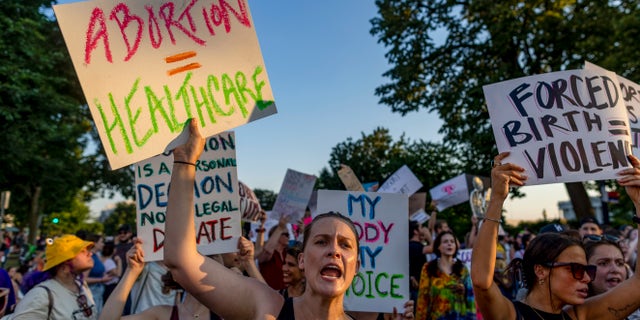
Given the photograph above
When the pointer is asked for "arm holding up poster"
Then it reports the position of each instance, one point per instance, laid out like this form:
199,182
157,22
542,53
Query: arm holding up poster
548,253
210,282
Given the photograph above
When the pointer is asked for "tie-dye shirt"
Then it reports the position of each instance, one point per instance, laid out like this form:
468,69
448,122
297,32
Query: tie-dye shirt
445,297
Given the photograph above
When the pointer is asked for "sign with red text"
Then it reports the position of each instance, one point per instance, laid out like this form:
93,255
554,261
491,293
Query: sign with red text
147,66
630,92
402,181
216,199
450,193
564,126
382,282
294,196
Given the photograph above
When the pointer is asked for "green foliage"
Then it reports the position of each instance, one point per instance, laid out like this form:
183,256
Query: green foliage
124,213
70,221
267,198
376,156
443,52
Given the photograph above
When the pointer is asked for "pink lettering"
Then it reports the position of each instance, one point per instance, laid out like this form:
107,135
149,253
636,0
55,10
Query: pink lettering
124,24
97,17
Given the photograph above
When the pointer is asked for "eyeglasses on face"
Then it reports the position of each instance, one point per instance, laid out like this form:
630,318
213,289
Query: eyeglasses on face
577,269
596,238
82,303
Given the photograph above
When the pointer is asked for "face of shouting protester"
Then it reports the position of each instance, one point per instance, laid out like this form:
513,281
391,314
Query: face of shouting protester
611,269
447,247
330,257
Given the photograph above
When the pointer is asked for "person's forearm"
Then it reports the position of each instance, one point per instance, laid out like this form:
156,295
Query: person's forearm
114,306
483,263
180,238
252,270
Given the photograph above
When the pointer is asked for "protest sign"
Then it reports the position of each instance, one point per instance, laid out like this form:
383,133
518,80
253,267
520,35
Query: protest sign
250,208
349,179
294,195
417,202
564,126
146,67
371,186
451,192
402,181
630,92
458,190
216,199
382,282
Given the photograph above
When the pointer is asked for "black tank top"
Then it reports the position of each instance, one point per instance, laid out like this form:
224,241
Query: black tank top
526,312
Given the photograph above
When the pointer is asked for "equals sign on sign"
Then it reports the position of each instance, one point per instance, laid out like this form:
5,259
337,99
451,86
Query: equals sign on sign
618,128
180,57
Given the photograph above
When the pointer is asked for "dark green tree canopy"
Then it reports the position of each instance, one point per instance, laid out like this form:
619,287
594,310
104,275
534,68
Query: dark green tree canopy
443,52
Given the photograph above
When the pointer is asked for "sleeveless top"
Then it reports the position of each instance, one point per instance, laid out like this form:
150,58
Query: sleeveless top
286,313
526,312
175,316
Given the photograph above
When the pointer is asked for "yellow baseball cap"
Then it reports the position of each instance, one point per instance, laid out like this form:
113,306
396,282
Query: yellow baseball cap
62,249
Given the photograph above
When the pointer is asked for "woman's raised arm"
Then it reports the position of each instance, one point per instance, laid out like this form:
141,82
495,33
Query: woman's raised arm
228,294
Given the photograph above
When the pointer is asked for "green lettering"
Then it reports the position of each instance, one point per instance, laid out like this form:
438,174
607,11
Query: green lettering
164,169
394,286
378,277
117,122
228,89
199,104
261,104
134,118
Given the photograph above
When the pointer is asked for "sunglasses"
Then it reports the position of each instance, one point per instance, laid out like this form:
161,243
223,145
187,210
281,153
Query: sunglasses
82,303
596,238
577,269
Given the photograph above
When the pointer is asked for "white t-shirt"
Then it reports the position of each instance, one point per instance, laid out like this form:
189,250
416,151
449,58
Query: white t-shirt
109,265
35,304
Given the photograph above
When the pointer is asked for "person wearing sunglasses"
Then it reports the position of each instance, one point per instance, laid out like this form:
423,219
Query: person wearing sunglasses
554,266
64,294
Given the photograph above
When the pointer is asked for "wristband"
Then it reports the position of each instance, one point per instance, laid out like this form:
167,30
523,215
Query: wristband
261,230
184,162
495,220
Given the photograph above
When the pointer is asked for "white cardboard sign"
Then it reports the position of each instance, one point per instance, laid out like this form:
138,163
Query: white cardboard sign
147,66
564,126
402,181
382,282
216,199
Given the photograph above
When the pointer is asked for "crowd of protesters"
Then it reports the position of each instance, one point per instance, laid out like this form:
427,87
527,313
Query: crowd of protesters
553,273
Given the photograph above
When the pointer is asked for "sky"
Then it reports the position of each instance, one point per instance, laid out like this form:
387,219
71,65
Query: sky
323,67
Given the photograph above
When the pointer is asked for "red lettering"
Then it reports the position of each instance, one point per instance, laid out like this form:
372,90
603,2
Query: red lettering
154,28
167,11
93,36
158,239
124,24
222,227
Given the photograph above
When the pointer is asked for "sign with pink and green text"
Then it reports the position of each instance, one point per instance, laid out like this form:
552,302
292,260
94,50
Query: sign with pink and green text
147,66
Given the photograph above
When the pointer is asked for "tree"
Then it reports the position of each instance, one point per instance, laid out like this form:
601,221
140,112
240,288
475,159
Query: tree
376,156
48,155
124,213
267,198
71,221
443,52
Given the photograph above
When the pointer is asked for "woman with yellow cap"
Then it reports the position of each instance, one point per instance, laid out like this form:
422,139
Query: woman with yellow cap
65,294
